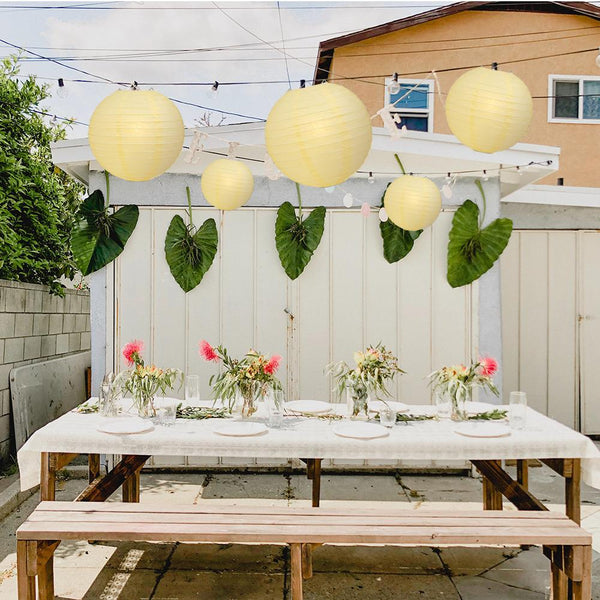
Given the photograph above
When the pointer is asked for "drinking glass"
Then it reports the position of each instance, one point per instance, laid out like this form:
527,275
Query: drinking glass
517,410
274,402
387,416
192,390
443,405
166,411
108,400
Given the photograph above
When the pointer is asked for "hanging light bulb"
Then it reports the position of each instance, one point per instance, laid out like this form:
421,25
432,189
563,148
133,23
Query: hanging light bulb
348,200
447,191
62,91
383,216
370,178
485,175
598,59
394,85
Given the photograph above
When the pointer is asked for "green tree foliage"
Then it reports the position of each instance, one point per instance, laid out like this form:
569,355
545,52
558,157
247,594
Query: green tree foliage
37,200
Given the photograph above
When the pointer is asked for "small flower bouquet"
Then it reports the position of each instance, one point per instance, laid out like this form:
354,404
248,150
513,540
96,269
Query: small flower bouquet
457,382
242,381
375,367
144,383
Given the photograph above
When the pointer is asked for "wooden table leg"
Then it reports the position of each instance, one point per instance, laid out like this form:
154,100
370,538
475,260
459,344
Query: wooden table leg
48,477
573,492
93,467
307,571
25,582
523,473
131,488
296,569
492,498
316,482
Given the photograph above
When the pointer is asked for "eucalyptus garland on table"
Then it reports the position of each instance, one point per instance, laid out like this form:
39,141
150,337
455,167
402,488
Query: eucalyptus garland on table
99,236
296,237
472,248
190,251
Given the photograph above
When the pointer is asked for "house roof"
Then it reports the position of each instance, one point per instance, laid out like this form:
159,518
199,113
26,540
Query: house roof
327,47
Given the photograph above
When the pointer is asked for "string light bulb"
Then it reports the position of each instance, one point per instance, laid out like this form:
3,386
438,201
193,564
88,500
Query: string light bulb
62,91
383,216
394,85
598,59
348,200
370,178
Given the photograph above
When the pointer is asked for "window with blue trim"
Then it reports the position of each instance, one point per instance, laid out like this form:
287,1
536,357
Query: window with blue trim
413,104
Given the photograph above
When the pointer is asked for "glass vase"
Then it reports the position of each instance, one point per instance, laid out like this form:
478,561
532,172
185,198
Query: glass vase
245,402
145,407
459,400
358,403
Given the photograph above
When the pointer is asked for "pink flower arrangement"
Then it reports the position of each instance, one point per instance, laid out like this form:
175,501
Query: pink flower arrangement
489,366
132,352
273,364
207,352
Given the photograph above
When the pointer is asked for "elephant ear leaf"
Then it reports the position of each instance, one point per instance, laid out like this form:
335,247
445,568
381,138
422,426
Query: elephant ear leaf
190,252
297,238
99,236
471,250
397,242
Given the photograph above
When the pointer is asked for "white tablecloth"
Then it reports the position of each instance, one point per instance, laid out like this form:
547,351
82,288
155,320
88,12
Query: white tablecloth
311,438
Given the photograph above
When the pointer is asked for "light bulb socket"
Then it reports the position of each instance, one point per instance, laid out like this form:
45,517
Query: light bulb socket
302,83
215,86
61,82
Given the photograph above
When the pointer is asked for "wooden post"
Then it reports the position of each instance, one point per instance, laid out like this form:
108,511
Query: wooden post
573,492
316,482
25,582
131,487
48,477
46,580
582,590
523,473
307,571
93,467
296,569
492,498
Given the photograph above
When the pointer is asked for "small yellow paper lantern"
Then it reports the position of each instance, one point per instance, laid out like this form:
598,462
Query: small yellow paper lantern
319,135
488,110
227,184
412,203
136,134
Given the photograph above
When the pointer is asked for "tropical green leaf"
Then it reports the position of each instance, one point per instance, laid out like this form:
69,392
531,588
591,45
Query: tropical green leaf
471,250
190,252
297,238
397,242
100,236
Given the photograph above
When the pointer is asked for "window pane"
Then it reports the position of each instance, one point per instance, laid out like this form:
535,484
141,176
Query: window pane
591,99
566,101
414,122
417,98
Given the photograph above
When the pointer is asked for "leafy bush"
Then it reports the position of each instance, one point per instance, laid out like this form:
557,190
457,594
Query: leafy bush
37,200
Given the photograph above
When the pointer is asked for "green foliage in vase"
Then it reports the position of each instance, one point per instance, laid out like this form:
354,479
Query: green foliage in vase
190,251
296,237
473,249
37,200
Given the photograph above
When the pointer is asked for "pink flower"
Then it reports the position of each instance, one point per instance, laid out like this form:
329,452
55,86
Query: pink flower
489,366
207,352
273,364
133,352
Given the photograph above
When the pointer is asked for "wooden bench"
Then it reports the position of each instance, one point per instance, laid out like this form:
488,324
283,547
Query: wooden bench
568,546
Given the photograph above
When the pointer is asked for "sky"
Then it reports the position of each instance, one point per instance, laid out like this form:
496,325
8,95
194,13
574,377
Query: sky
181,42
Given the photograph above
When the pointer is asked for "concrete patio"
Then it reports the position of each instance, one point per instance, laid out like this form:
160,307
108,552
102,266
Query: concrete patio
212,572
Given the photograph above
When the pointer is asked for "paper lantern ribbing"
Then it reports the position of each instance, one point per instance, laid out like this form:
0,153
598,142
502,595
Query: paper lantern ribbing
319,135
227,184
488,110
412,203
136,134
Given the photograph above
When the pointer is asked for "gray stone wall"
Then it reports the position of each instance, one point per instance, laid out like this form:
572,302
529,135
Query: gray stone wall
36,326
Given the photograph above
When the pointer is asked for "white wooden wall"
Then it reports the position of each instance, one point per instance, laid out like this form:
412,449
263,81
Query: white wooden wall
551,323
348,297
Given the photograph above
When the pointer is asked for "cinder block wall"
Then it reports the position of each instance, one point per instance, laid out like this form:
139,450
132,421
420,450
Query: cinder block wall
36,326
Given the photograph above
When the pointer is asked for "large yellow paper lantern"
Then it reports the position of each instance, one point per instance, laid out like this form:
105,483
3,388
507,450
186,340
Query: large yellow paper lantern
319,135
136,134
412,203
227,184
488,110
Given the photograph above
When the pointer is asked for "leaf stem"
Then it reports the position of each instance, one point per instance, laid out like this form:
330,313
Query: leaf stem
299,201
482,215
400,163
107,178
189,199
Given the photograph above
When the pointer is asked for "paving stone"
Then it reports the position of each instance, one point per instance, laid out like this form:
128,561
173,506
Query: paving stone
246,486
478,588
376,559
473,561
171,488
182,585
351,487
379,587
126,556
229,557
440,488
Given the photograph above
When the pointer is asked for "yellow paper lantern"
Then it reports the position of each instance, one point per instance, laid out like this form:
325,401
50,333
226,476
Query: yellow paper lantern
136,134
319,135
412,203
227,184
488,110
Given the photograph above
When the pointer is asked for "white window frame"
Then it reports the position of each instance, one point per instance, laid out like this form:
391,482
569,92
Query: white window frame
580,79
416,111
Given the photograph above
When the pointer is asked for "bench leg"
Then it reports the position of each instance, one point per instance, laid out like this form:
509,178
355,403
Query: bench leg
296,569
25,582
578,567
307,571
46,580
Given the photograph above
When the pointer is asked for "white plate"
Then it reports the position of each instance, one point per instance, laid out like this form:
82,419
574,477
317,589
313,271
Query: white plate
125,425
482,430
360,430
377,405
309,407
240,428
